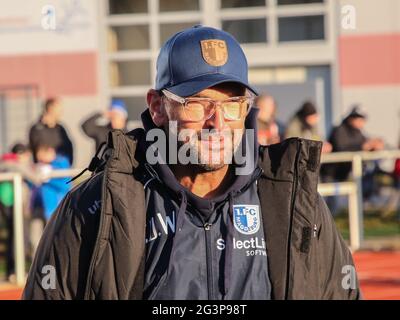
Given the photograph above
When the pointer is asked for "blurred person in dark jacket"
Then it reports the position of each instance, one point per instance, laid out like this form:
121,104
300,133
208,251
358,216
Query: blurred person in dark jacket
49,131
270,130
304,124
98,125
349,136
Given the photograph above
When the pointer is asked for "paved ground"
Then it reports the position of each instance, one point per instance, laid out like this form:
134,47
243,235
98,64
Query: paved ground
379,274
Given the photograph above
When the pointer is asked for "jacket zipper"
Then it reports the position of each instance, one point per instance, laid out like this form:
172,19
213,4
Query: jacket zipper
315,230
210,282
293,201
89,276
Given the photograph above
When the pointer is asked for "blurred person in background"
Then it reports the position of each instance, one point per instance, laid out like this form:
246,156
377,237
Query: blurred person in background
304,124
49,131
47,196
18,160
349,136
270,130
98,125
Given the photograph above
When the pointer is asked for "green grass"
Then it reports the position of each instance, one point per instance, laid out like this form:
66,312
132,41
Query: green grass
2,269
375,224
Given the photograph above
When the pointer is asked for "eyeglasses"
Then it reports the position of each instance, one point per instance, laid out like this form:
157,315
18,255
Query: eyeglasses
201,109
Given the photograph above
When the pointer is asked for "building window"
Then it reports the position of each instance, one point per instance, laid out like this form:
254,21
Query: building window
283,2
242,3
127,6
179,5
130,73
301,28
247,31
167,30
128,38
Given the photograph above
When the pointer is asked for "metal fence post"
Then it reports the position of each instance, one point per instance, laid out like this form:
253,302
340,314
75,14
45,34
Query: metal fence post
19,250
356,219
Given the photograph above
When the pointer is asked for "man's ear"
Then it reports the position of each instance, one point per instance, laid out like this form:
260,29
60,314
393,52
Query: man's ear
156,108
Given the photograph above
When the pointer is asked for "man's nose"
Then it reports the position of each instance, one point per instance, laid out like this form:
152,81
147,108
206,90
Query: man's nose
217,120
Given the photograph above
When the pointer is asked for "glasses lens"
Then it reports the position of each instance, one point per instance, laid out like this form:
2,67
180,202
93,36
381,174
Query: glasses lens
197,110
234,110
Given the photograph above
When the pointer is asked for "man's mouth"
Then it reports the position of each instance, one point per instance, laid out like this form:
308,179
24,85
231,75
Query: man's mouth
215,143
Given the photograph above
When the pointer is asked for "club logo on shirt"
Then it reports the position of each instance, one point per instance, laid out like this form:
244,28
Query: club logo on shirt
246,218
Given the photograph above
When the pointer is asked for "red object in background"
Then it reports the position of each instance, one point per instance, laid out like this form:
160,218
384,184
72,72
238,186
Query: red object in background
11,157
397,169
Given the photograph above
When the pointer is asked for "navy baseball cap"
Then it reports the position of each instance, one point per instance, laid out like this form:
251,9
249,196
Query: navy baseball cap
198,58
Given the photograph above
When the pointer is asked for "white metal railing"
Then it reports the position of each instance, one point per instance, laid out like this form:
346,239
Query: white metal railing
351,188
355,208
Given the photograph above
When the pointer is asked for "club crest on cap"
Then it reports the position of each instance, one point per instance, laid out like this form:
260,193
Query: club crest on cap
214,51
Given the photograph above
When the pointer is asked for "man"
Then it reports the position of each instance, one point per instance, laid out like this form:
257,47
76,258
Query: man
167,229
49,131
304,124
348,136
98,125
270,131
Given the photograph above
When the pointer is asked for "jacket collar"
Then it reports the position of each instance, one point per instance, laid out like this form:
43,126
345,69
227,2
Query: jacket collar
278,161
